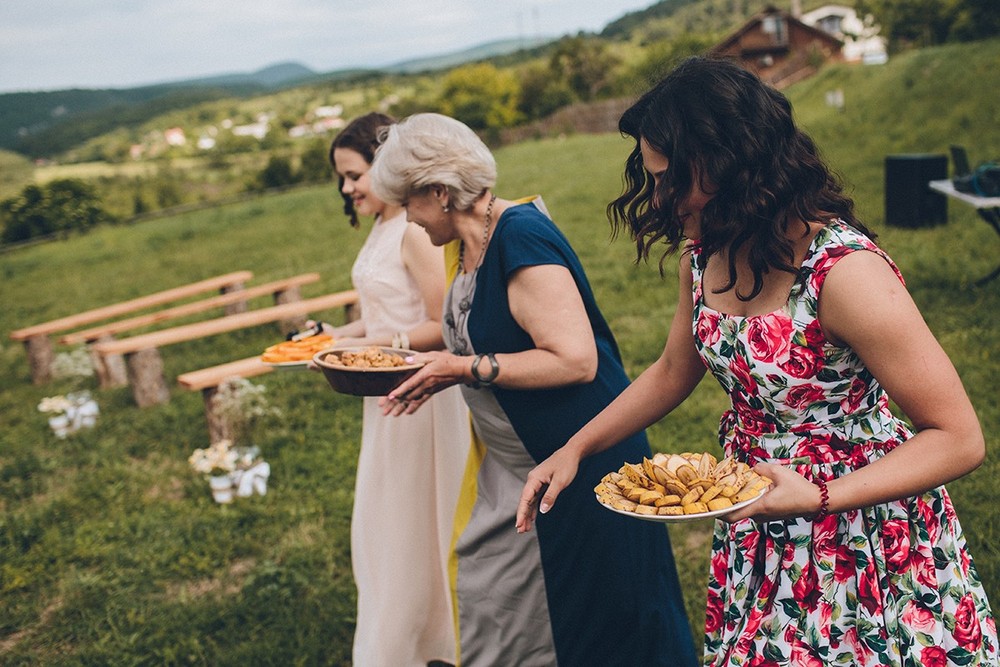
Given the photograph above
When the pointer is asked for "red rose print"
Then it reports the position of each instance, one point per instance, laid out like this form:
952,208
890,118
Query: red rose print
814,335
741,372
817,448
713,613
862,654
922,566
752,422
802,362
868,590
806,587
803,657
770,337
918,617
720,562
707,328
825,540
967,631
854,397
933,656
802,396
847,564
896,543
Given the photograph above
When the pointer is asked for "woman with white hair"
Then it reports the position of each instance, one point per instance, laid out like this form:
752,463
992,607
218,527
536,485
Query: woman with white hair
535,360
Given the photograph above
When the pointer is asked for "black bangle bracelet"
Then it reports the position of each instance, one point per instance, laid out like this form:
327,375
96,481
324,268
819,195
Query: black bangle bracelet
485,380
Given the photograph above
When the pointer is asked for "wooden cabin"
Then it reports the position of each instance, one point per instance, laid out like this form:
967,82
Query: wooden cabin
780,48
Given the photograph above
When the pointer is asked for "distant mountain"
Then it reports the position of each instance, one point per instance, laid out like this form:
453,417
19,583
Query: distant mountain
38,124
273,76
48,122
444,61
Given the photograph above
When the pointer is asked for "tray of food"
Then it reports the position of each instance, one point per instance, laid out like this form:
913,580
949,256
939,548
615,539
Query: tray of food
295,353
681,487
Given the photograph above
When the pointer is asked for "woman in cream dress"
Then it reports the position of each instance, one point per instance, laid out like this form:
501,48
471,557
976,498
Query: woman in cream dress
409,469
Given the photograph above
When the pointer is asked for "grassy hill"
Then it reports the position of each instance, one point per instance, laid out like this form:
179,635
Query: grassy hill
111,550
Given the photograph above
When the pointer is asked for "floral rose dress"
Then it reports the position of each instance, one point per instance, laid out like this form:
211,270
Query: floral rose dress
891,584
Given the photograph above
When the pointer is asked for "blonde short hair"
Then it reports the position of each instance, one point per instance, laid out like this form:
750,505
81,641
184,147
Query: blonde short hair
431,149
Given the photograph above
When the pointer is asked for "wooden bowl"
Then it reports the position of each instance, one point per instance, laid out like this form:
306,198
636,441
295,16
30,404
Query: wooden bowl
363,381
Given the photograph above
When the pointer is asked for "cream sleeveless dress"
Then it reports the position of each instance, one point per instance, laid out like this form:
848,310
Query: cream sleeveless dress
408,480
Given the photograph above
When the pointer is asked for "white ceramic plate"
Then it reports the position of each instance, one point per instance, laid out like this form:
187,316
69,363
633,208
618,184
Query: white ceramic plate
288,365
681,518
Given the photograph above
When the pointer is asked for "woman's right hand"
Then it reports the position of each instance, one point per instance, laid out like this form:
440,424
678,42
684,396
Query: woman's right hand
441,370
547,481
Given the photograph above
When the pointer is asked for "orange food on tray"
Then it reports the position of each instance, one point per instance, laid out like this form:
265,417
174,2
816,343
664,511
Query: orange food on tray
296,350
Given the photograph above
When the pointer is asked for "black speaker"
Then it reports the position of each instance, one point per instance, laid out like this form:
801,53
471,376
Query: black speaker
908,200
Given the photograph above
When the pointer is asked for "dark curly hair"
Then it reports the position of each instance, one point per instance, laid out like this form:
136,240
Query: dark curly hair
716,122
362,136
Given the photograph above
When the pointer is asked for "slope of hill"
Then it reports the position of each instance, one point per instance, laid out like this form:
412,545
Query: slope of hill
40,123
488,50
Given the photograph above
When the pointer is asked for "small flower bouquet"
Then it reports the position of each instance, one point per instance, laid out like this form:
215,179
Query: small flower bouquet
71,412
231,469
241,406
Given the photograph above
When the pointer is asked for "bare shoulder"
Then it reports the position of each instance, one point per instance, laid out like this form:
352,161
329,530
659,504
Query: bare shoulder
862,291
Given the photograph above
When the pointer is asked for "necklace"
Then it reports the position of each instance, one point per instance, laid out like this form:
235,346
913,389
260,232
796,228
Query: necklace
486,239
455,319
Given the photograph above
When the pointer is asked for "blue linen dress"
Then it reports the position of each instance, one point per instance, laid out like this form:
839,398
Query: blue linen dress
587,586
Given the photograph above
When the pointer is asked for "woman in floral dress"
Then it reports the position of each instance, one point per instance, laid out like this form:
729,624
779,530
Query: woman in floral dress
855,556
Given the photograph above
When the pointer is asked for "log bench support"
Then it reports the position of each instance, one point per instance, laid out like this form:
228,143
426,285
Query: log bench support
145,374
110,368
207,380
40,357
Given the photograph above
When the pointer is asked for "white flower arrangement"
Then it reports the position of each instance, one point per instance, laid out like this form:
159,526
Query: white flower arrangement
73,365
71,412
231,469
219,458
241,405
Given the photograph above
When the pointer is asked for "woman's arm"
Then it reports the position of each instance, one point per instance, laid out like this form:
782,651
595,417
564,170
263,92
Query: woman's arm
425,263
546,303
657,391
864,306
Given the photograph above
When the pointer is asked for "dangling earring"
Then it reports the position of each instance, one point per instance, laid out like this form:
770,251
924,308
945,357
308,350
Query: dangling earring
445,208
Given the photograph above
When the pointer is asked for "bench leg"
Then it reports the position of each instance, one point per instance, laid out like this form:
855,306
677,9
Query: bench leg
290,295
110,369
217,429
39,349
239,306
145,374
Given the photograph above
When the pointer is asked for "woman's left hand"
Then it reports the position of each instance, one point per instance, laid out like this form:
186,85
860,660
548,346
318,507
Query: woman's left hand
790,496
441,370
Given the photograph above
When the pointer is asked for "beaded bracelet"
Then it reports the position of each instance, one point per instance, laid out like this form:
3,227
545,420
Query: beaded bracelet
485,380
824,500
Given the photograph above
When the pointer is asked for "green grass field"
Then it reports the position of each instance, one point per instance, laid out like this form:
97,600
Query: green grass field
112,550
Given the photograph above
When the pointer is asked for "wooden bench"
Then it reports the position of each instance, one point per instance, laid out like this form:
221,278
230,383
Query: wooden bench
144,366
207,381
284,291
39,346
111,369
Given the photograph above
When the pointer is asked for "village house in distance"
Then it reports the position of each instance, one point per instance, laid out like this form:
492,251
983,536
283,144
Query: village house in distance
785,46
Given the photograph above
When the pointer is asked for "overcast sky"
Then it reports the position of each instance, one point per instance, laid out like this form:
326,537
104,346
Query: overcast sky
57,44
